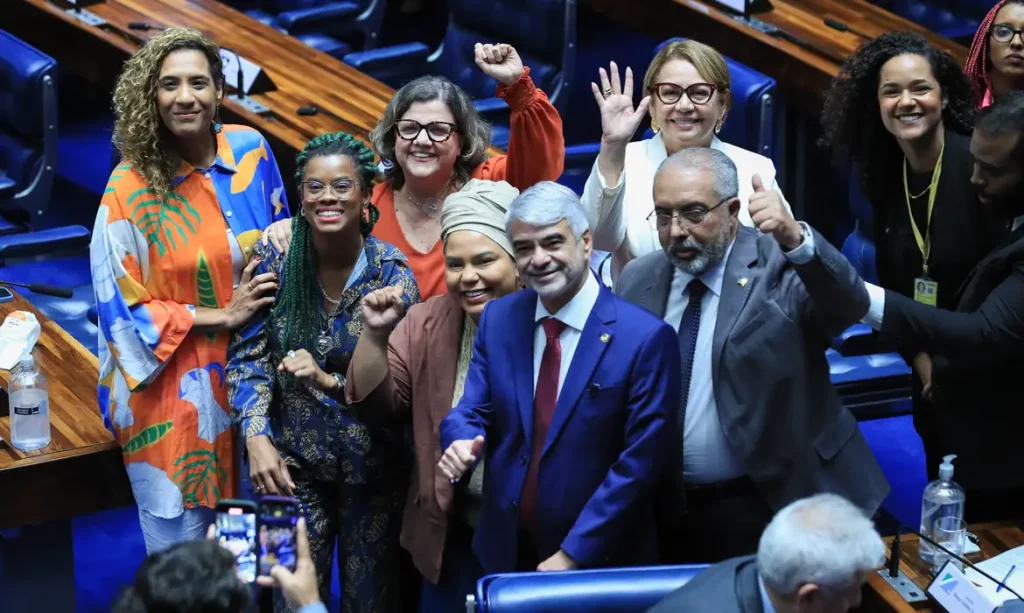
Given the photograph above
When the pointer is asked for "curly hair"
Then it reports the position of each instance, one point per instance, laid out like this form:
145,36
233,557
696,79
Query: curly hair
978,63
299,297
851,120
139,133
474,131
189,576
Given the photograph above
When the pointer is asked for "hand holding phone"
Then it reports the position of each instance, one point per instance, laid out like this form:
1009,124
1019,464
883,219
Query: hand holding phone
277,545
299,587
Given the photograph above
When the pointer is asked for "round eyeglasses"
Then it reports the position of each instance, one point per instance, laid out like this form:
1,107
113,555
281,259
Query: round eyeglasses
1004,33
437,131
315,190
698,93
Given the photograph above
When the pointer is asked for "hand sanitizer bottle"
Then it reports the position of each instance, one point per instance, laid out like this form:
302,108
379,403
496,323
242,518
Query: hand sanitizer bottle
30,407
942,498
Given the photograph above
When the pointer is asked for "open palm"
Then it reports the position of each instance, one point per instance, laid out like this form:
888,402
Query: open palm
619,120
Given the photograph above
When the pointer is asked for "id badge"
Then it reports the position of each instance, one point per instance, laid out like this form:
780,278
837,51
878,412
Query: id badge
926,291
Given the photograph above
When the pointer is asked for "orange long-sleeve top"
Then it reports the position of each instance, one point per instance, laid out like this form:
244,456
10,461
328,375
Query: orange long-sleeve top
536,152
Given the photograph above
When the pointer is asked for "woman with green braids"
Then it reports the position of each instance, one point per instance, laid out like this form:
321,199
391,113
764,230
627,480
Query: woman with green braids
300,437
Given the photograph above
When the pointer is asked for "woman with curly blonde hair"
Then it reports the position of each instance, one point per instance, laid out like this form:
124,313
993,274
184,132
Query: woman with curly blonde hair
176,223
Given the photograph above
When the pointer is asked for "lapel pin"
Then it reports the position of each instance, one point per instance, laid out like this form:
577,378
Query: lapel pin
742,281
605,337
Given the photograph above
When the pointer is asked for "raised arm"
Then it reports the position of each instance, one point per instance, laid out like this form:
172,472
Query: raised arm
631,480
604,191
536,145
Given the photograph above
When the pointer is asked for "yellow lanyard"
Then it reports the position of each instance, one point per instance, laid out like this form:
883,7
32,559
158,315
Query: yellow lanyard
924,243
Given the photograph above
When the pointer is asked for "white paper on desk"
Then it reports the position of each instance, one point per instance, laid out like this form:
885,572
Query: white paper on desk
998,566
18,336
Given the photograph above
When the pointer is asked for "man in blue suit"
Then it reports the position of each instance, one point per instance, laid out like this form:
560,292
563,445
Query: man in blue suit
568,394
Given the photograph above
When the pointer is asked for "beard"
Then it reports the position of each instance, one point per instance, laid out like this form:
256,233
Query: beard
706,256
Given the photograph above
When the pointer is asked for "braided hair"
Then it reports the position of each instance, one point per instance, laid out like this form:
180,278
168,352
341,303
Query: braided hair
978,62
851,120
299,298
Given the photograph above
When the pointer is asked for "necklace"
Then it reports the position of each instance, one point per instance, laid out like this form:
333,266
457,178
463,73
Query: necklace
925,191
431,206
325,341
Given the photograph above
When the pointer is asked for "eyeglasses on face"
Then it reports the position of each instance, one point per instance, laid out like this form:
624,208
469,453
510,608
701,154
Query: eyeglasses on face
698,93
1004,33
315,190
437,131
685,220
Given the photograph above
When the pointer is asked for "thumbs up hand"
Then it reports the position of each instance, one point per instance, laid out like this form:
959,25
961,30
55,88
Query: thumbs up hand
771,216
460,457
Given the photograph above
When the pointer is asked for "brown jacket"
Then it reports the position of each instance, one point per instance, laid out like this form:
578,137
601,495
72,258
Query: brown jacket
423,353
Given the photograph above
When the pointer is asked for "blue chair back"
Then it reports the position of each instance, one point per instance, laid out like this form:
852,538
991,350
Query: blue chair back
607,590
28,125
859,246
542,31
751,121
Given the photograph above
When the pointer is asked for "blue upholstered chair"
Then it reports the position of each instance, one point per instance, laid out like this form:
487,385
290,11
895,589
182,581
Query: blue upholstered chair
28,152
542,31
750,123
609,590
954,19
869,375
326,25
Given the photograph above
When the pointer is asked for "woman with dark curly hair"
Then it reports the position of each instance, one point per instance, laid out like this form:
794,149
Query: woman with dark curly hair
432,141
901,112
995,63
173,232
302,440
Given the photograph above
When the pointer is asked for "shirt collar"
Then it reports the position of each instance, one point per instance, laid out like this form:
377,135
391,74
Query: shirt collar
225,160
575,312
766,603
712,277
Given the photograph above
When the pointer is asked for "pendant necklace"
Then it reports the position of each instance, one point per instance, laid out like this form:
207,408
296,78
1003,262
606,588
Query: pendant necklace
325,342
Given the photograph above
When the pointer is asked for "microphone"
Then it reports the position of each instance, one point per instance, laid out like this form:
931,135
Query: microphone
42,288
239,76
835,24
895,555
142,25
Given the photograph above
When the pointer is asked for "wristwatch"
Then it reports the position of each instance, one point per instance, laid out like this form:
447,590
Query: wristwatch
340,380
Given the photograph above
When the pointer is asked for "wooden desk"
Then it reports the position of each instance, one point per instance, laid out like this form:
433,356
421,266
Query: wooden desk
995,538
348,100
81,471
803,74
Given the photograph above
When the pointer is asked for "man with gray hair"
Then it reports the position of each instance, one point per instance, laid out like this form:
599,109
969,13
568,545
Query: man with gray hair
760,423
814,557
567,396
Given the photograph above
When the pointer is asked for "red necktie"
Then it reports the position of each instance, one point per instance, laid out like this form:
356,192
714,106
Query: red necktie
544,402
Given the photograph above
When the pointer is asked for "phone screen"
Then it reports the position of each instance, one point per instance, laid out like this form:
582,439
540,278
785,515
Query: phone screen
236,532
278,516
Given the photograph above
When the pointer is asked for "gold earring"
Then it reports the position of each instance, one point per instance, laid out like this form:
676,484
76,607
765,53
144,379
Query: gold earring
654,125
718,126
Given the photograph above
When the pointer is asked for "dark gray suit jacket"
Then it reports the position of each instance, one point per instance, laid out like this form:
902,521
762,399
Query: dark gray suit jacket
727,587
783,419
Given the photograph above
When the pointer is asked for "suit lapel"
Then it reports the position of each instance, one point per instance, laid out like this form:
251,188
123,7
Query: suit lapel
748,593
594,341
737,284
520,342
655,296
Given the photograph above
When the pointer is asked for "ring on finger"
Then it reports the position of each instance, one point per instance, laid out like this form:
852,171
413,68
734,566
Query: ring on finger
607,92
250,286
291,353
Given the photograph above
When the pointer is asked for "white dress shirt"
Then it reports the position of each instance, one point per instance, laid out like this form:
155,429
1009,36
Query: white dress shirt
617,214
707,457
877,294
574,315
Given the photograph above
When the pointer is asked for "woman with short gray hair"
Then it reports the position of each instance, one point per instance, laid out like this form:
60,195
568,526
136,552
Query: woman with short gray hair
432,141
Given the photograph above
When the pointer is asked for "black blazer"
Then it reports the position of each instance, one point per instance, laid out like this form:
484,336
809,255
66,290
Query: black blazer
727,587
978,355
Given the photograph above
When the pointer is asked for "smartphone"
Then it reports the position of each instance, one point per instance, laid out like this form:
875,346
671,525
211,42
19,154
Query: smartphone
236,532
278,517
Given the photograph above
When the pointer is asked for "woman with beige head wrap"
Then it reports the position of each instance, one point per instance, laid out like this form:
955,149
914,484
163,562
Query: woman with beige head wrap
418,371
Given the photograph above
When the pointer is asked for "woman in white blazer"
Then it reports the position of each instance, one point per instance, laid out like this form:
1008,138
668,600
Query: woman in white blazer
687,90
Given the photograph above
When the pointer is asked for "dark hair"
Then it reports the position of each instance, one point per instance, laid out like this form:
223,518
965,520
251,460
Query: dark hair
978,62
1005,115
851,120
474,131
190,577
299,297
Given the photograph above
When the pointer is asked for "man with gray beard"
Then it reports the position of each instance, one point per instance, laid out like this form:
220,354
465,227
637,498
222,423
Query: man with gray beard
759,422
